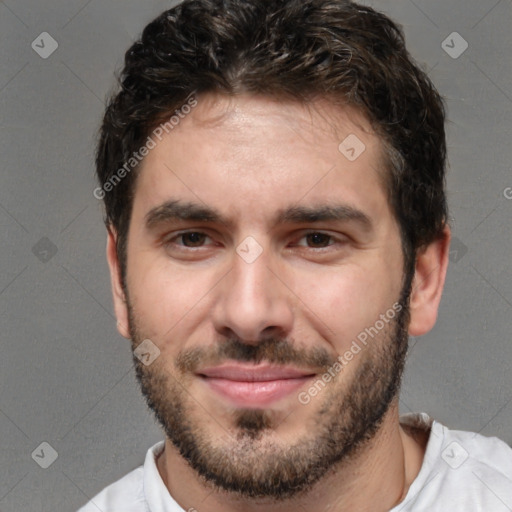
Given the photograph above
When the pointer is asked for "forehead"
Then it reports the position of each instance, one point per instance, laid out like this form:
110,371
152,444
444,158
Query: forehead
253,155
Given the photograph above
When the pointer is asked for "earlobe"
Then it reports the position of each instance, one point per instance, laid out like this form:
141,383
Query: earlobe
428,284
118,295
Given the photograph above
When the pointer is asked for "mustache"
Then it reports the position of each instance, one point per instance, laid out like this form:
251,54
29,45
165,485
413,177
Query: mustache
271,350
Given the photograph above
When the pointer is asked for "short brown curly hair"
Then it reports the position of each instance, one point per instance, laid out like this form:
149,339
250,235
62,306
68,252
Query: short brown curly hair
293,49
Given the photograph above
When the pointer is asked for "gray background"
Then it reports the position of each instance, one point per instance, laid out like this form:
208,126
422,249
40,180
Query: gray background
66,375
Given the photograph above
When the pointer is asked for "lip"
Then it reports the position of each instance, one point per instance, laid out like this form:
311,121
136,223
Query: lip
254,386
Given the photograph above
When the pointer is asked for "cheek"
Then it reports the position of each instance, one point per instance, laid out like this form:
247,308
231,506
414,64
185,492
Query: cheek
164,297
343,302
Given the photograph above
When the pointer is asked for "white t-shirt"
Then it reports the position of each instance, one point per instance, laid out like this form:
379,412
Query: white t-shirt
461,472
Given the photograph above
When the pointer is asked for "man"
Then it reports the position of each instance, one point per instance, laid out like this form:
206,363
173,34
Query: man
273,177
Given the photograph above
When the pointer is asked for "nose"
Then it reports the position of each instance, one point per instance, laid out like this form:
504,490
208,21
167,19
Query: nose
253,303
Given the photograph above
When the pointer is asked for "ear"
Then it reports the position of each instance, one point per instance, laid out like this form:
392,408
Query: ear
120,305
428,284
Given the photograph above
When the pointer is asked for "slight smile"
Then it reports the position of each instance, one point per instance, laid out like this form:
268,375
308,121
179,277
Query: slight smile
254,386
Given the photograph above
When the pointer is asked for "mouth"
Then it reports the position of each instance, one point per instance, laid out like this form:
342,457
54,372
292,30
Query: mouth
253,386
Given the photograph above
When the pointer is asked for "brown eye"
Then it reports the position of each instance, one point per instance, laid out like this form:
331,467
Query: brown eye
318,239
192,239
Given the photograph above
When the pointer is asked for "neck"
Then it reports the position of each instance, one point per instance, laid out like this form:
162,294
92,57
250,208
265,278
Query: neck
383,469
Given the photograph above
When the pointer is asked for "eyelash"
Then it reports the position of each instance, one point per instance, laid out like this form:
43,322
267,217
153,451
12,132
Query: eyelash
170,242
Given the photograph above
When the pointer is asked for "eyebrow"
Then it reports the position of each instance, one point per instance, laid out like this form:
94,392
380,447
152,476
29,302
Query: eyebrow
179,210
324,213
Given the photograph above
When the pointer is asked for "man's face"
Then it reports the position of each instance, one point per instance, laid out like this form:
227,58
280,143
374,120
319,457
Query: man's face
258,252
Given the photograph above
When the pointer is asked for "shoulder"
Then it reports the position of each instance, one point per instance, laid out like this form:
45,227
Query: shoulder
461,472
128,493
459,448
476,454
475,470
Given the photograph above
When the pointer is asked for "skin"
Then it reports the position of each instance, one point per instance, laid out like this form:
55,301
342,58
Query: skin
249,158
